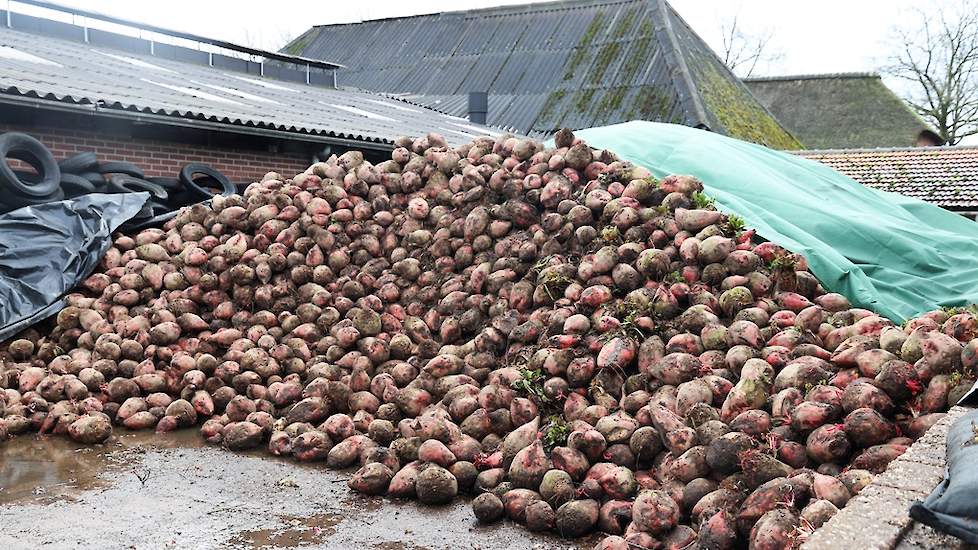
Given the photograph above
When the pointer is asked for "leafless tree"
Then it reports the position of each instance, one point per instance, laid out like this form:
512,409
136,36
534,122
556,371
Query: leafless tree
938,59
266,39
743,50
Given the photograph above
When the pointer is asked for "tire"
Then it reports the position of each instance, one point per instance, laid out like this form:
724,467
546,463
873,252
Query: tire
23,147
219,180
170,184
95,178
10,201
75,186
182,198
58,194
121,183
82,162
126,168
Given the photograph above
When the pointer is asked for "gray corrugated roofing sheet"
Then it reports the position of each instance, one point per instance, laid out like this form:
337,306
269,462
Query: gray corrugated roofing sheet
77,73
575,63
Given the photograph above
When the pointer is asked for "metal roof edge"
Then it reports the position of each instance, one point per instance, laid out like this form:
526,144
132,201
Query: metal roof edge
193,122
298,60
403,98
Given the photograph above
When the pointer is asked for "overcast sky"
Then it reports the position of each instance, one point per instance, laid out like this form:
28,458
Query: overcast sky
814,37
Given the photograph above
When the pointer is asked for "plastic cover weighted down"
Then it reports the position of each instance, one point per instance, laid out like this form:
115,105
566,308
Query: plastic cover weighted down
952,507
886,252
45,250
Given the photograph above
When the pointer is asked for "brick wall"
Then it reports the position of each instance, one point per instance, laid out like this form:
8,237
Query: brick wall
164,158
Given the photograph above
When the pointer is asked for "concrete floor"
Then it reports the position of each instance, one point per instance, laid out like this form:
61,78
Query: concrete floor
145,491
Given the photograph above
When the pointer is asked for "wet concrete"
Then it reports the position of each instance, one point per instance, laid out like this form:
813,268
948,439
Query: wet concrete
145,491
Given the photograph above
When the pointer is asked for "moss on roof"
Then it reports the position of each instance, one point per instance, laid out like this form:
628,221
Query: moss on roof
739,117
840,111
574,63
298,45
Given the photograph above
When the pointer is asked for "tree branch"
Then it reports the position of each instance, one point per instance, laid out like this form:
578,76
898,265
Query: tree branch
939,57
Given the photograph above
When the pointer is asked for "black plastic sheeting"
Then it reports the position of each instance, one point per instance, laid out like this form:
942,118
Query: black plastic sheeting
47,249
952,507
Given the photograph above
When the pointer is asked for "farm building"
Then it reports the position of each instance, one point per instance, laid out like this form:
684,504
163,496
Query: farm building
839,111
945,176
163,105
571,63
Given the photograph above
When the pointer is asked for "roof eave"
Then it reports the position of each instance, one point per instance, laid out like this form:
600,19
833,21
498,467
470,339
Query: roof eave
185,122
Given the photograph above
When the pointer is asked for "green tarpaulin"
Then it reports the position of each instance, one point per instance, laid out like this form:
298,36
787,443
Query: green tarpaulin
886,252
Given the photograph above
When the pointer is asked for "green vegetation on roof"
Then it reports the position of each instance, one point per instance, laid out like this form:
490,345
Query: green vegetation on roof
298,45
624,24
582,99
739,115
651,103
546,117
638,57
583,45
610,102
606,56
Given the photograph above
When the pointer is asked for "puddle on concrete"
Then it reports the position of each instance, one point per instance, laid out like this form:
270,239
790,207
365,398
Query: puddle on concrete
46,469
43,469
296,532
147,491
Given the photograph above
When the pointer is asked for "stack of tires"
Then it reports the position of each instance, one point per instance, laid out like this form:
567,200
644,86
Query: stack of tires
82,174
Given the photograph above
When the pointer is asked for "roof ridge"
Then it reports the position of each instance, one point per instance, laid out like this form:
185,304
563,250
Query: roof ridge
813,76
550,5
937,148
662,26
736,80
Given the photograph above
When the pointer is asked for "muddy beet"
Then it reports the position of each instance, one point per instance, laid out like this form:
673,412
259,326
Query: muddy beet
580,345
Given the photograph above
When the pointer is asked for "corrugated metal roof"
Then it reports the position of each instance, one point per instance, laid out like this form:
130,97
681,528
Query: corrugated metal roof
945,176
37,66
573,63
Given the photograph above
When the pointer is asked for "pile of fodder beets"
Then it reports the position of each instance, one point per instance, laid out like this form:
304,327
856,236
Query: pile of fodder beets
577,344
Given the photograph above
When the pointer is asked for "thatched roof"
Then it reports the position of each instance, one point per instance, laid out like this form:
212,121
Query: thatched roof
839,111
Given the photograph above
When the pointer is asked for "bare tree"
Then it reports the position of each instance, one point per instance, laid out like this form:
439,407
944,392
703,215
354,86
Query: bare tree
743,50
267,39
938,58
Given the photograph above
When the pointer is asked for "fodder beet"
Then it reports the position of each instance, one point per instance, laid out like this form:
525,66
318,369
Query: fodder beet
579,344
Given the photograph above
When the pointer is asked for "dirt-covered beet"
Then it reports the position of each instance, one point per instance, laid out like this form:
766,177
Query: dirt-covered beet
91,428
372,479
436,485
578,344
577,517
487,508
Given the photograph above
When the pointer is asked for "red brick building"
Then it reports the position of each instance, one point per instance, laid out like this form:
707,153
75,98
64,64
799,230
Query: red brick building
161,157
